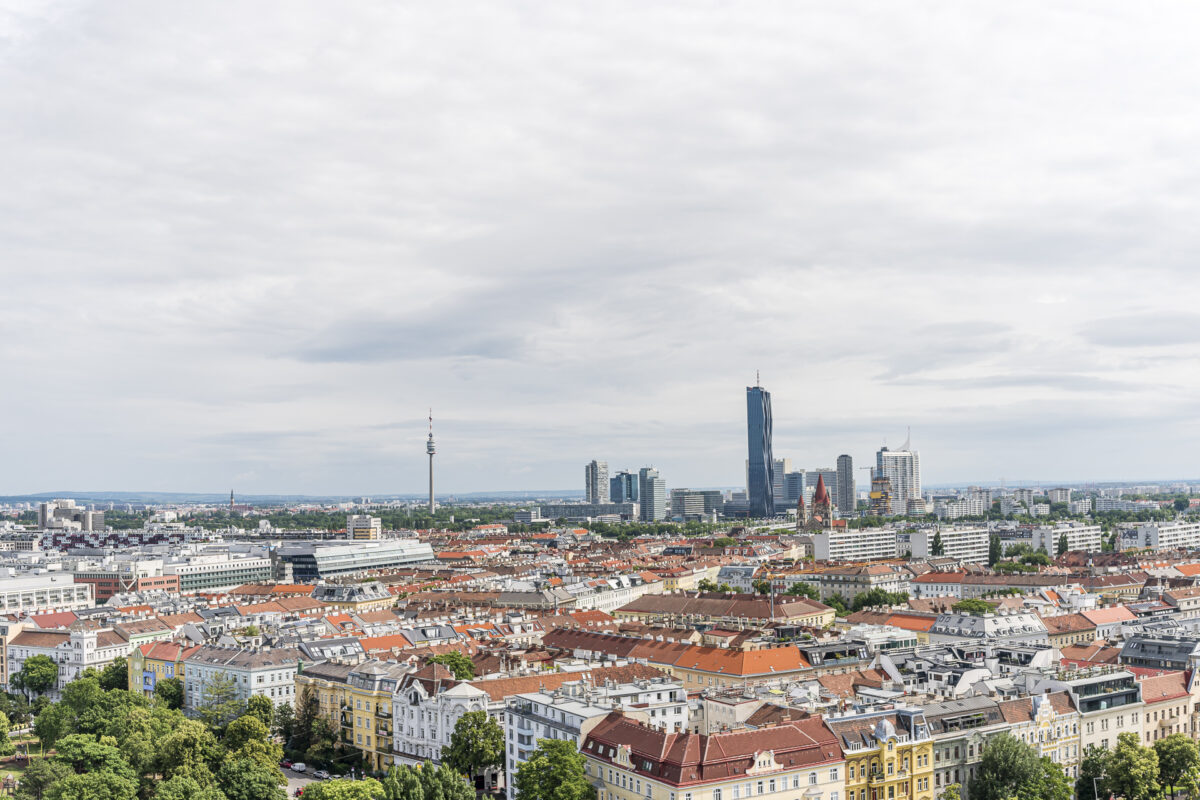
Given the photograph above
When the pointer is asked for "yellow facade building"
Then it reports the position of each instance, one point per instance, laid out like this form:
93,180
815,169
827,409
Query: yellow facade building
357,698
889,754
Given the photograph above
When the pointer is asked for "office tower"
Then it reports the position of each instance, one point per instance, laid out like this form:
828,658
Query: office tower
623,488
845,485
760,483
687,504
652,493
429,448
903,469
793,488
782,467
595,482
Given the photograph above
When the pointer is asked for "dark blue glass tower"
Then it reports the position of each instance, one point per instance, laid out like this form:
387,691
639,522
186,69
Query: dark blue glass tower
761,472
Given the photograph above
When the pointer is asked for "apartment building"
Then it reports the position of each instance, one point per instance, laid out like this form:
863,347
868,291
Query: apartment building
43,594
968,545
960,730
629,759
571,711
256,671
358,699
74,651
889,754
153,661
842,544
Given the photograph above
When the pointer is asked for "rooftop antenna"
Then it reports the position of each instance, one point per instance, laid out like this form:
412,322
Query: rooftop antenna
757,379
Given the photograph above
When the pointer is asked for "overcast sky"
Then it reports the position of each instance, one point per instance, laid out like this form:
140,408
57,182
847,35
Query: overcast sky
249,245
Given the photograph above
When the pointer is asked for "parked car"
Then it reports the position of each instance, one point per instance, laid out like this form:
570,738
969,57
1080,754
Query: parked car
298,767
286,764
321,775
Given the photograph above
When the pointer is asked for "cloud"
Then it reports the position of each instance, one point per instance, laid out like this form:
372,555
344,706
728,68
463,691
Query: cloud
262,241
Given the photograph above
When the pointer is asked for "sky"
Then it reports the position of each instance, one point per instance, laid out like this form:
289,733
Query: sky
250,246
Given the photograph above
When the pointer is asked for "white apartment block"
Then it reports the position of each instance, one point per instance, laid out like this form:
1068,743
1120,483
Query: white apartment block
1079,537
1162,535
263,671
1059,495
969,545
73,651
571,711
868,544
41,594
1083,506
208,572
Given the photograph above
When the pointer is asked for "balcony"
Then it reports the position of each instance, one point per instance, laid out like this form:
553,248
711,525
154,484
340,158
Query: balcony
385,714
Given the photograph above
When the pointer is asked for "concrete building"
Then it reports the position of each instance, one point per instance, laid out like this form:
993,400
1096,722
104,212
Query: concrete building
208,571
841,544
1079,537
625,511
902,468
968,545
595,482
652,493
363,526
845,497
41,594
1161,535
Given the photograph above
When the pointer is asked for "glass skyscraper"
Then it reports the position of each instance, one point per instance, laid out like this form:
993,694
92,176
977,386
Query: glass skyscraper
761,473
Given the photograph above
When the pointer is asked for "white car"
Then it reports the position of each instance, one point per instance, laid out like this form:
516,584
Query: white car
298,768
321,775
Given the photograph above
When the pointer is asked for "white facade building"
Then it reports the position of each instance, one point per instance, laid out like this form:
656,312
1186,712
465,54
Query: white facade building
969,545
264,671
1079,537
868,544
73,651
41,594
1162,535
903,468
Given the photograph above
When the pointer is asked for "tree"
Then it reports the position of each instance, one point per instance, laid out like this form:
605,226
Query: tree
973,605
1063,544
458,663
761,586
952,792
443,783
115,675
246,738
877,597
308,711
221,704
323,745
802,589
706,585
39,776
1182,504
1039,559
1007,765
38,674
190,750
477,744
7,748
554,771
402,783
261,707
838,604
284,724
1093,772
84,753
93,786
344,789
937,548
170,691
993,550
184,787
1132,769
243,779
1177,756
1051,783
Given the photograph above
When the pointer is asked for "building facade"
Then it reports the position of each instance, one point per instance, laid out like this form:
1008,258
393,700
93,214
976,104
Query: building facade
652,495
595,482
846,500
760,471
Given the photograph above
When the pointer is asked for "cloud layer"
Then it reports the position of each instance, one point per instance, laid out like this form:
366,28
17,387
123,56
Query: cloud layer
252,245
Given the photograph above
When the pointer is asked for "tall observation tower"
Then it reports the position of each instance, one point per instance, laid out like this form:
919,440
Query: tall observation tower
429,448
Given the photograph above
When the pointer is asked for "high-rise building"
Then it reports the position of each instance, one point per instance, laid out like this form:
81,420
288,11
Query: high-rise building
595,482
793,488
903,469
760,483
845,485
652,494
881,496
623,488
363,526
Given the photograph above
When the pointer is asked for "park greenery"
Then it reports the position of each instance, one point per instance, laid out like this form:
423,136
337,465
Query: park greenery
476,745
973,606
872,599
425,782
1168,769
554,771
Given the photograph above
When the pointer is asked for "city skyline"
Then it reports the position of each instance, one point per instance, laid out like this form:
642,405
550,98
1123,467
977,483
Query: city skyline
237,281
